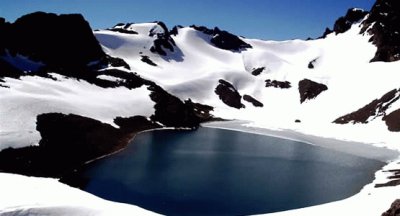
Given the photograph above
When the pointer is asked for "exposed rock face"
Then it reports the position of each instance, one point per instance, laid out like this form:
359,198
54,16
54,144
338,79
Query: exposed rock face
394,179
201,111
344,23
393,121
223,39
112,61
174,30
309,89
311,64
257,71
59,41
4,29
394,209
373,110
228,94
7,70
252,100
69,141
352,16
147,60
383,23
163,40
172,112
123,28
277,84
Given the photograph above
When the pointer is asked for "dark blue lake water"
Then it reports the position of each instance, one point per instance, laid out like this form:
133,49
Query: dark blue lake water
220,172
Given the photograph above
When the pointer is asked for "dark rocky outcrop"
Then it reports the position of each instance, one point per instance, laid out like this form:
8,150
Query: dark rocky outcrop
147,60
123,28
228,94
392,121
309,89
394,179
202,111
223,39
172,112
311,64
326,33
373,110
174,31
257,71
344,23
7,70
394,209
383,23
58,41
108,61
352,16
162,41
277,84
69,141
252,100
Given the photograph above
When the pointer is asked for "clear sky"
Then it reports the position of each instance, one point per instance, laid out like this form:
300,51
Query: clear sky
264,19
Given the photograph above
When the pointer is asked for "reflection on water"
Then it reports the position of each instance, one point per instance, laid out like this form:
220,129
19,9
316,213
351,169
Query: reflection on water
220,172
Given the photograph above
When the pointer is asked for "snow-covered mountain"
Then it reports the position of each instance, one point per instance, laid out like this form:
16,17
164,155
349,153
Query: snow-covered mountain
69,95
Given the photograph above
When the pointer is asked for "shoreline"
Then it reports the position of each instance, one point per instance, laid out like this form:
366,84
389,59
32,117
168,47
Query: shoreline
366,196
377,199
130,141
350,147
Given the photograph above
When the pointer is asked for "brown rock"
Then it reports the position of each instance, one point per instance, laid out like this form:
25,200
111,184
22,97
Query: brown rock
394,209
277,84
393,121
374,109
309,89
252,100
228,94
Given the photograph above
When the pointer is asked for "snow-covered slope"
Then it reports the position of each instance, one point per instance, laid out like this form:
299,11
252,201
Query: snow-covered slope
44,196
30,96
341,62
319,87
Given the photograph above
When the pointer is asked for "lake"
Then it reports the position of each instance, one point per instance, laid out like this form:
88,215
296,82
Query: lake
220,172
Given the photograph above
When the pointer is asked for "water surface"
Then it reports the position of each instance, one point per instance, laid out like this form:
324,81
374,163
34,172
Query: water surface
221,172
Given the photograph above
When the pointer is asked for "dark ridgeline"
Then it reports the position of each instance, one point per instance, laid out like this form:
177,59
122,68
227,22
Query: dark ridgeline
377,108
382,23
223,39
344,23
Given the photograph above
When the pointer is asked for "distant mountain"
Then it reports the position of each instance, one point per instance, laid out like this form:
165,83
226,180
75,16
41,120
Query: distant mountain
69,95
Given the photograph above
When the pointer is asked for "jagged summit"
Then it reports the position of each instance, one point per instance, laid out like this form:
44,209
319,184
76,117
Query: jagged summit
383,23
344,23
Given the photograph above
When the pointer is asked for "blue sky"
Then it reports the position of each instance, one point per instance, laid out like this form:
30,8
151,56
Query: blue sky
264,19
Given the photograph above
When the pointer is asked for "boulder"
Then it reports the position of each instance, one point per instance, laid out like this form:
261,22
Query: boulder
309,89
228,94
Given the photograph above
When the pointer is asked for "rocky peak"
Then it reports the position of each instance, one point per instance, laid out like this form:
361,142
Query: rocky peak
344,23
223,39
59,41
163,40
383,23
